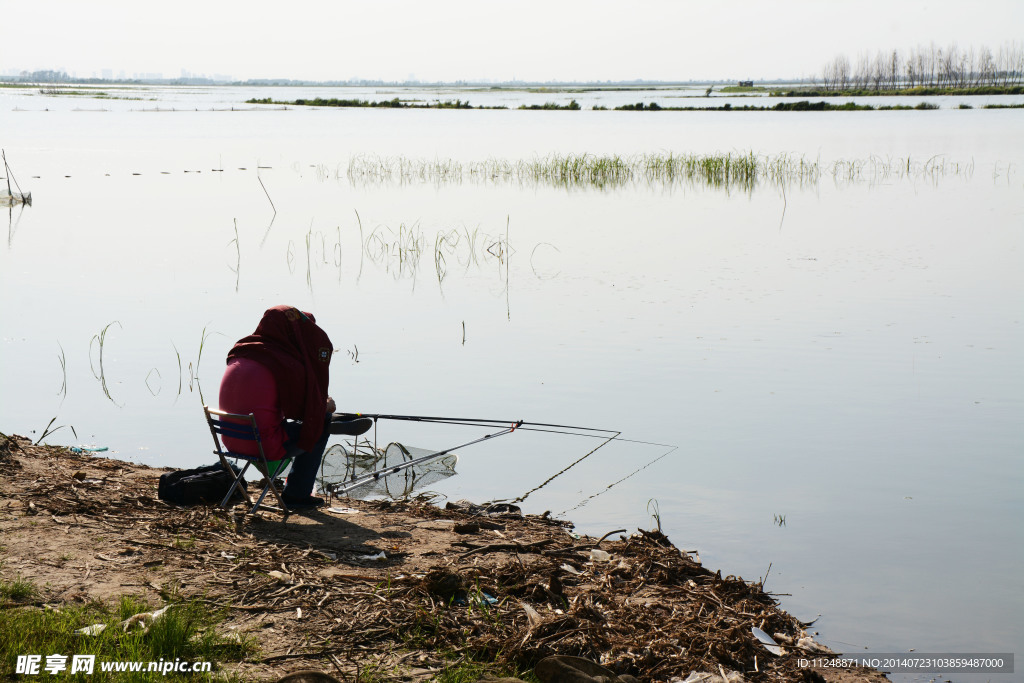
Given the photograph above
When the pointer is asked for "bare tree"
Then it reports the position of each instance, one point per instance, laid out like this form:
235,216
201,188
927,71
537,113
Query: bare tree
930,66
862,74
985,67
894,70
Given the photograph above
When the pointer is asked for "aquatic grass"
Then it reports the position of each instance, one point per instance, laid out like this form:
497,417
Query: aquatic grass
100,340
63,392
398,252
199,358
730,171
149,386
401,251
177,354
723,170
655,512
193,368
237,270
876,169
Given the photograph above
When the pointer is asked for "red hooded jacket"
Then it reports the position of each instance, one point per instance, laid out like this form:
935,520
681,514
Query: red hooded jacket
289,344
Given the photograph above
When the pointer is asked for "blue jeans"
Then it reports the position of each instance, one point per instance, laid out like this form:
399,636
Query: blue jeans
305,464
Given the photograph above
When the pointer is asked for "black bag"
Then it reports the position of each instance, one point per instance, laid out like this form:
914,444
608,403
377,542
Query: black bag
197,486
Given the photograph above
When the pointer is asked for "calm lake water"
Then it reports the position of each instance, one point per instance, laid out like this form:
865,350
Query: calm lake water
838,363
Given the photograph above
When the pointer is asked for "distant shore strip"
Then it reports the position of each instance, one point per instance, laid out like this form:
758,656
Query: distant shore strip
573,105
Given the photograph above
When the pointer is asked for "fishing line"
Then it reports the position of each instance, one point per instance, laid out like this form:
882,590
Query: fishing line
631,474
547,481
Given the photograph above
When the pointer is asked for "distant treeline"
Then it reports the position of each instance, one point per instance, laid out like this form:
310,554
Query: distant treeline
941,71
911,92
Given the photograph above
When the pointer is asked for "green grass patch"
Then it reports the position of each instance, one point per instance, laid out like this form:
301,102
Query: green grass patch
742,89
68,91
472,670
572,106
184,634
17,590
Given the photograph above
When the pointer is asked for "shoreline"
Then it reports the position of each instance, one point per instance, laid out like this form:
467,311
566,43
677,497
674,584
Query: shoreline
408,588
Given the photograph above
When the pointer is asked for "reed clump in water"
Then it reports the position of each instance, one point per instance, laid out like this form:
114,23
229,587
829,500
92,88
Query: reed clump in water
733,170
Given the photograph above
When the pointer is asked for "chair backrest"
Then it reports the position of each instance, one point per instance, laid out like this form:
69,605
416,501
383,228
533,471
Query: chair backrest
234,425
242,427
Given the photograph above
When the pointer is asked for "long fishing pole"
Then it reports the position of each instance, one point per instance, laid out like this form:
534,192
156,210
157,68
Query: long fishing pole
338,489
606,436
470,421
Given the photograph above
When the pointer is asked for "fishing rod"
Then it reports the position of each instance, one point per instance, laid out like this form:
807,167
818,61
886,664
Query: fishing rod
606,435
356,482
474,422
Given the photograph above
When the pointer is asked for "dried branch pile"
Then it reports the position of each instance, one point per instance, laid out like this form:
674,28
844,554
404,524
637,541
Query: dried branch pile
405,587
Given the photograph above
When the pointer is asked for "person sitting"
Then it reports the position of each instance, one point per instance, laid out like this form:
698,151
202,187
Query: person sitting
280,374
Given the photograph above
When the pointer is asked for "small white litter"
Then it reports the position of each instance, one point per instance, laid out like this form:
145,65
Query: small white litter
531,614
766,640
143,620
705,677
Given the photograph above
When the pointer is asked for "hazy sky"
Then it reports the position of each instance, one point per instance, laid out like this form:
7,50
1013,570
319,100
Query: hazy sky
485,39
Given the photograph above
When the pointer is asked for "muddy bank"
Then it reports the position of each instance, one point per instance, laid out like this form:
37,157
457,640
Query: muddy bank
402,587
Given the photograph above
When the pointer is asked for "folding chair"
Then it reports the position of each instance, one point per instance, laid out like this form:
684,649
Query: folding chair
238,426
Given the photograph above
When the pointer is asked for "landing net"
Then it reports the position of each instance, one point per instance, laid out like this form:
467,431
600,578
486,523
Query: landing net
344,462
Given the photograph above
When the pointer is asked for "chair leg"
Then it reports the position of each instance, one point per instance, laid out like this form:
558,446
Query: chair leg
277,494
270,487
235,483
